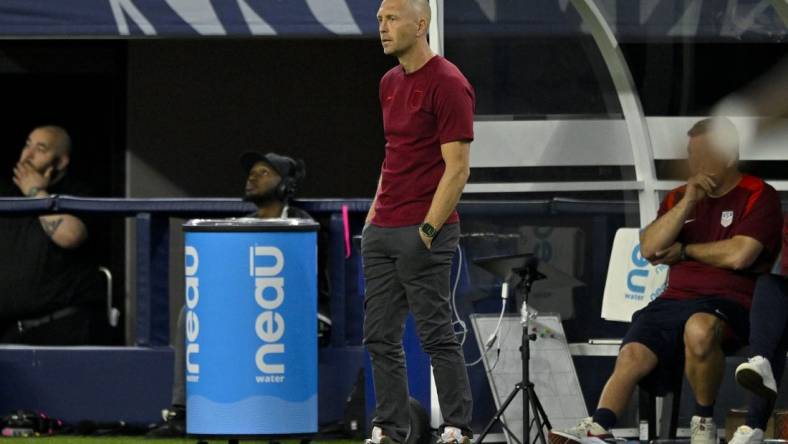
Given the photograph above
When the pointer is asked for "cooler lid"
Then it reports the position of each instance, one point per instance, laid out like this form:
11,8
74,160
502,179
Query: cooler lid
250,224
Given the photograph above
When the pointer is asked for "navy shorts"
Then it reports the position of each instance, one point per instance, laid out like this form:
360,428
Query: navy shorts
660,327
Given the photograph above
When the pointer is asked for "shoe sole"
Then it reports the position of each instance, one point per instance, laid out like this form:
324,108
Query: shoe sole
562,438
752,381
565,438
383,440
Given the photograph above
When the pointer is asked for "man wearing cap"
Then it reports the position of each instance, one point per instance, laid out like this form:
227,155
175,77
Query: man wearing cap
717,233
272,181
412,228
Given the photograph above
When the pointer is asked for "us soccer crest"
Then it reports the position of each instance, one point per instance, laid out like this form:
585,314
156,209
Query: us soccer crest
727,219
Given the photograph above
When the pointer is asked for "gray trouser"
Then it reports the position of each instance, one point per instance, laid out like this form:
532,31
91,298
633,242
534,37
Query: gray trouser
402,275
179,372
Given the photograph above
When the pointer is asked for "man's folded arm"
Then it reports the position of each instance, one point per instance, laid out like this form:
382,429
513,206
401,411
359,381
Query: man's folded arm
663,232
737,253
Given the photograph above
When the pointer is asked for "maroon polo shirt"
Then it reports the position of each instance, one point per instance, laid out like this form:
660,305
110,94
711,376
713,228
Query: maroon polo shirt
421,111
751,209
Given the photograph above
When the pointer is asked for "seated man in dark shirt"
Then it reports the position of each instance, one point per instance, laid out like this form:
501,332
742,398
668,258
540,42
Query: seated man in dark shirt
50,289
717,233
762,373
272,180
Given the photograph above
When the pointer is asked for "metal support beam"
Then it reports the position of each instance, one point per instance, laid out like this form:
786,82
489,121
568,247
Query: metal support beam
436,27
631,107
557,187
153,306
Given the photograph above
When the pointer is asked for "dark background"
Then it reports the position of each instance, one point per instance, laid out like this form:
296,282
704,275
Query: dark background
186,109
195,106
75,84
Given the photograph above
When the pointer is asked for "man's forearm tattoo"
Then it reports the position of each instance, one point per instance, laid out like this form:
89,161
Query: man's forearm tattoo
51,226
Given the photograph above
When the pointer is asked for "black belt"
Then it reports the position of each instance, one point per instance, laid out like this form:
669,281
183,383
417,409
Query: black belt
30,324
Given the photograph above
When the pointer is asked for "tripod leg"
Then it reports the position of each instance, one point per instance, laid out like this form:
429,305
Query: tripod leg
545,419
527,410
511,433
499,413
540,418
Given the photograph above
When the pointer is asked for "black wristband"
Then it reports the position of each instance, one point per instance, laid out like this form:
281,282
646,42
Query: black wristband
683,255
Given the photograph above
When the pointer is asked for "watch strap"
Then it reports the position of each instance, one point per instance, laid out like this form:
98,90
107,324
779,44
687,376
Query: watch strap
428,230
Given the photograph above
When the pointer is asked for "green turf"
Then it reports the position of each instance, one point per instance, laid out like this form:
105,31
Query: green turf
97,440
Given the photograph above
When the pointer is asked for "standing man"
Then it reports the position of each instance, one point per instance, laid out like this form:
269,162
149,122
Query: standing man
50,288
412,228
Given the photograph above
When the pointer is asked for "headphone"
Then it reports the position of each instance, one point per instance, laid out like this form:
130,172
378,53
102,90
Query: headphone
288,186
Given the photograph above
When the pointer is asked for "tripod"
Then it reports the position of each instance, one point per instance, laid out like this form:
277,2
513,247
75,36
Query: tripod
527,275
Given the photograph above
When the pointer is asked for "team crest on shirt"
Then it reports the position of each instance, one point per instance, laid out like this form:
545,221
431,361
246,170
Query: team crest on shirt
726,219
416,98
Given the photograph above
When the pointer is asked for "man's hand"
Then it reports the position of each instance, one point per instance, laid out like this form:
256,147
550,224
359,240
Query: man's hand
371,212
28,179
426,239
698,187
668,256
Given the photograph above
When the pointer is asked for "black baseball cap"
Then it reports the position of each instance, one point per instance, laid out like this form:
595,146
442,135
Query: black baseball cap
281,164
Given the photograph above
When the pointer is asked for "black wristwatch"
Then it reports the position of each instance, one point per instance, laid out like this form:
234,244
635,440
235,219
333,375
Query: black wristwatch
683,255
428,230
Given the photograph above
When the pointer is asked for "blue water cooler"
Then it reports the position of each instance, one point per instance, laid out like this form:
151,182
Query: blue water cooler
251,329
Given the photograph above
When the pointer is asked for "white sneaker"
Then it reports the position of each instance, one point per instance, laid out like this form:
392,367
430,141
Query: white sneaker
586,432
703,431
756,376
453,435
746,435
378,437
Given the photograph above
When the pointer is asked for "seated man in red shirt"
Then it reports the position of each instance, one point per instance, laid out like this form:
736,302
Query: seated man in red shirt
717,233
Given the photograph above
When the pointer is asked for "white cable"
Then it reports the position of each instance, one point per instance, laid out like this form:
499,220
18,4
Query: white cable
498,338
504,297
494,339
456,320
497,356
498,325
471,364
459,270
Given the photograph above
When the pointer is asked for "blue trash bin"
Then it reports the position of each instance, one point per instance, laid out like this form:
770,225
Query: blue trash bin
251,328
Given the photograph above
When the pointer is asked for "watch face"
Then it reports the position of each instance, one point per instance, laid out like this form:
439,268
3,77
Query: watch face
428,229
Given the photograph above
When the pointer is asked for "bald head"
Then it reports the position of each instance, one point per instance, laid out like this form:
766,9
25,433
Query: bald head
48,147
403,26
422,9
60,139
